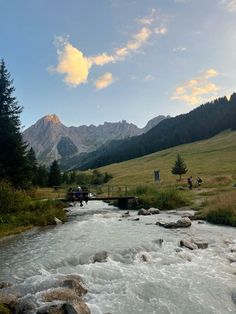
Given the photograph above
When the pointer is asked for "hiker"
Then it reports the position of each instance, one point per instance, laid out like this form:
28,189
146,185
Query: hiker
190,183
79,195
198,182
85,194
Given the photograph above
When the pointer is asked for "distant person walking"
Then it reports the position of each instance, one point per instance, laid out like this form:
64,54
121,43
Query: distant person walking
198,182
190,183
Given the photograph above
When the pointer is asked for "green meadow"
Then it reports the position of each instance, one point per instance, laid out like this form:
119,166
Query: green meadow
214,160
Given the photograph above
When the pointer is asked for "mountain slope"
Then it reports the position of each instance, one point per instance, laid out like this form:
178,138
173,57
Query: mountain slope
51,139
201,123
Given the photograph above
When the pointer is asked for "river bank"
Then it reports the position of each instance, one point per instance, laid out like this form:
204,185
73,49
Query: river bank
139,273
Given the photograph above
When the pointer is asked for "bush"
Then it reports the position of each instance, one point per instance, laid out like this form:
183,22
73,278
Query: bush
12,200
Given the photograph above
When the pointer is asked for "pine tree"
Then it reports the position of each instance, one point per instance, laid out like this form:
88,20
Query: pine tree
179,167
13,161
42,176
32,165
54,174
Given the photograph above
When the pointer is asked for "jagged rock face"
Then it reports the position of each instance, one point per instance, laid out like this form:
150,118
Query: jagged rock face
51,139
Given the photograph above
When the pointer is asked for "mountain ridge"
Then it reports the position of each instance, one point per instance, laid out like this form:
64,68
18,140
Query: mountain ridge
51,139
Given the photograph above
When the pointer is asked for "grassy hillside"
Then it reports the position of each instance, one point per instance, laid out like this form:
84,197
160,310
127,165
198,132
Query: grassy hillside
213,159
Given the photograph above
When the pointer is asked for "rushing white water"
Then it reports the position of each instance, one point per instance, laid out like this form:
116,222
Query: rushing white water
169,281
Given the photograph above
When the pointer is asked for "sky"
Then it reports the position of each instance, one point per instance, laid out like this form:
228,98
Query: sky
91,61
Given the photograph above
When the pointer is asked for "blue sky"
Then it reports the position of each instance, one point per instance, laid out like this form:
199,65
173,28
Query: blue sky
90,61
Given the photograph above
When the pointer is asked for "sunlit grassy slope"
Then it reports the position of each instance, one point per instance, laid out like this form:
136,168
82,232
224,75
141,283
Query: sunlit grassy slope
213,159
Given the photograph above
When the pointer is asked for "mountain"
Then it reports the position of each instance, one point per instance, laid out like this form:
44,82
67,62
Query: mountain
201,123
51,139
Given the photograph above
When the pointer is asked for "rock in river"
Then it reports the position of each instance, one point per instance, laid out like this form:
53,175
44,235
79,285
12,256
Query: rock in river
181,223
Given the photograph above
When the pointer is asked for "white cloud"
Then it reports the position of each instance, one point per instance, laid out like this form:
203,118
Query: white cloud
162,30
104,81
229,5
76,66
149,78
197,90
180,49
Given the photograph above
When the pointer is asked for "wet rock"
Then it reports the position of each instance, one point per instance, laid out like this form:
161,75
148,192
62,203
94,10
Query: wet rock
8,300
185,256
173,212
187,214
25,306
201,222
188,244
154,211
80,308
181,223
135,219
201,244
233,249
60,294
126,214
178,250
75,283
234,296
231,258
143,212
4,285
158,241
100,257
57,221
144,258
58,308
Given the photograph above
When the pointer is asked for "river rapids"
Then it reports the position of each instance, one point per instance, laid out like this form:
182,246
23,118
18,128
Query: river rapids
141,274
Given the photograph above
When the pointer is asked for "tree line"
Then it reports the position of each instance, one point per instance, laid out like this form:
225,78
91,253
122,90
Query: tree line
199,124
18,162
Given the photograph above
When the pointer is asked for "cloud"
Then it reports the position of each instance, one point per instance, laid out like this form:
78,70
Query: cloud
161,30
76,67
104,81
73,64
229,5
197,90
180,49
149,78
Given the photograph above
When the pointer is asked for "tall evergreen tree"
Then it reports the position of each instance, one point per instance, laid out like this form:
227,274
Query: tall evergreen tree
32,165
42,176
54,174
179,167
13,161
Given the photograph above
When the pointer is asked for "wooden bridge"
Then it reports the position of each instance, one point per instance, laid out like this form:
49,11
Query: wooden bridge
102,193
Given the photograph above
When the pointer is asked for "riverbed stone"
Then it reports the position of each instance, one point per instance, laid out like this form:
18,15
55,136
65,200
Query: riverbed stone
53,308
144,212
201,244
8,300
25,306
231,258
188,244
4,285
234,296
181,223
126,214
154,211
100,257
57,221
61,294
76,286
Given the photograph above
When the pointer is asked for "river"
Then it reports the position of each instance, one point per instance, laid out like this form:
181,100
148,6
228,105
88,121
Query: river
168,281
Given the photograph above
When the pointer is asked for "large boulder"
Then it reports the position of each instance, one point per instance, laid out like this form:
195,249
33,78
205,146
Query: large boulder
61,294
201,244
8,299
143,212
181,223
188,244
64,308
154,211
100,257
25,306
75,283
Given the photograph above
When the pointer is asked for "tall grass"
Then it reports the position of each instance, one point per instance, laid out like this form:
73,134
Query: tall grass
168,198
222,209
18,211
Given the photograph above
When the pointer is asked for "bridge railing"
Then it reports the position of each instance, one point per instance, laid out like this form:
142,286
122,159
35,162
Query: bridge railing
110,190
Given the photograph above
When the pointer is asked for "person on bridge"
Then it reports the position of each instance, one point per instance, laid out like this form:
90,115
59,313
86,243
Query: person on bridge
79,195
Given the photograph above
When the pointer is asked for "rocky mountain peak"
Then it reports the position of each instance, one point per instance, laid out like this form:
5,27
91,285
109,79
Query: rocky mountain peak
53,118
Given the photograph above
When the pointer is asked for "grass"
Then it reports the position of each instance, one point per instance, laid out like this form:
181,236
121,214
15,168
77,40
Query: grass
4,309
214,160
19,211
221,209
